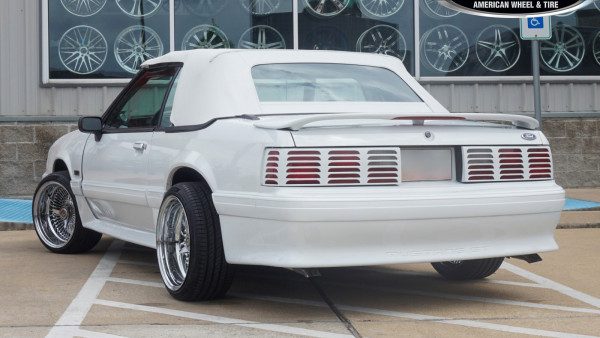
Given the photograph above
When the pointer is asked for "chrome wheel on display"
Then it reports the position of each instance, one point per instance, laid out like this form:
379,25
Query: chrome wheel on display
435,8
205,37
445,48
596,48
82,49
327,38
83,7
380,8
173,244
136,44
261,37
260,7
327,8
498,48
205,8
382,39
564,51
54,214
139,8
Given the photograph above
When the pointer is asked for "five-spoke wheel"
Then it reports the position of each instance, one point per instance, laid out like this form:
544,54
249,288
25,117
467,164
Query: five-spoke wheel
498,48
261,37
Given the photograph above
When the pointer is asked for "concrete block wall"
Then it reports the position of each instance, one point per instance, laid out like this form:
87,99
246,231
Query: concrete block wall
575,145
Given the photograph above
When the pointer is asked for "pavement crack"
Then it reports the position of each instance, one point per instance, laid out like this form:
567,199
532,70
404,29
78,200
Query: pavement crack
347,323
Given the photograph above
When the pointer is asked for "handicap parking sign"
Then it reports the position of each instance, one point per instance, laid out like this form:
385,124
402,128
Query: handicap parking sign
536,28
537,22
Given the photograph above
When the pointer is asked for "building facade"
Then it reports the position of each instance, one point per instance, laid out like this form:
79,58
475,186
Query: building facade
61,59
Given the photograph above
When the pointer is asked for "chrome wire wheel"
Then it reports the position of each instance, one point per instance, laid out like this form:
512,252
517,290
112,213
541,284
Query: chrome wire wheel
136,44
82,49
564,51
261,37
260,7
596,48
498,48
205,37
326,8
382,39
173,243
380,8
139,8
54,214
83,8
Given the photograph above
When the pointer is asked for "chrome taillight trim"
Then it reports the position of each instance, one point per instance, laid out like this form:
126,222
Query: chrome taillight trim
506,163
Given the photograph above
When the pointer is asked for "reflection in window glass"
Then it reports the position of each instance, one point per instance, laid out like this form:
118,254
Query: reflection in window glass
369,26
329,82
259,24
105,38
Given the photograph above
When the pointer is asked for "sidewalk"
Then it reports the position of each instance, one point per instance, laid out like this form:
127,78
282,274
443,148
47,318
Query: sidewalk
582,210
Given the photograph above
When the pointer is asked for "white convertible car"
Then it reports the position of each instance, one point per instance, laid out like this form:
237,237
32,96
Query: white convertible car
297,159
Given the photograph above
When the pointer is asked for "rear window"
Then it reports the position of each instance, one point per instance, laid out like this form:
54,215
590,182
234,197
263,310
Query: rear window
325,82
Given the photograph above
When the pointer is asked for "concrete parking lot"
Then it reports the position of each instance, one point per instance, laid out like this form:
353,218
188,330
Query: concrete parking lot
116,291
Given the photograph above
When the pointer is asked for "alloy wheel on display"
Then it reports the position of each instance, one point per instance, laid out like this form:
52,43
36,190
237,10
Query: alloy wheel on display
54,214
498,48
382,39
205,37
564,51
434,7
380,8
260,7
596,47
261,37
326,8
139,8
205,8
445,48
82,49
83,7
173,243
136,44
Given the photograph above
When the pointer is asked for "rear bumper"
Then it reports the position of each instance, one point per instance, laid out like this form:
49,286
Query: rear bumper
353,226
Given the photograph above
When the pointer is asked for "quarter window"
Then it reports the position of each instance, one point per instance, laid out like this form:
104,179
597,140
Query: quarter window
141,108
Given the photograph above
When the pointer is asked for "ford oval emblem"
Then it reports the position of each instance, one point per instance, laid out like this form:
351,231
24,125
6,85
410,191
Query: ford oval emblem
528,136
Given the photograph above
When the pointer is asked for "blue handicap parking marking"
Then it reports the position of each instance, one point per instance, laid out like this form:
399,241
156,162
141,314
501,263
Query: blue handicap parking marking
15,211
535,22
575,204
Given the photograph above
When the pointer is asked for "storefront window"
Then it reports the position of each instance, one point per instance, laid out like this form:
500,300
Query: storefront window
109,39
104,38
369,26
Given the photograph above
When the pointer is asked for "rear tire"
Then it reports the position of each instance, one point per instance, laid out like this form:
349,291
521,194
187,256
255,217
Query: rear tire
468,270
56,217
189,244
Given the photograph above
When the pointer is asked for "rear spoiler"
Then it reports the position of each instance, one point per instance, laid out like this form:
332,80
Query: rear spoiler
298,123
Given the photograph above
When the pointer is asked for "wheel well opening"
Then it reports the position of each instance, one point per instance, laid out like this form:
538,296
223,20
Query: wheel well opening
187,175
60,165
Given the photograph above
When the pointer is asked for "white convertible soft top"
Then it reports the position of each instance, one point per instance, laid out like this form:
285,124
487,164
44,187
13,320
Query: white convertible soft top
218,83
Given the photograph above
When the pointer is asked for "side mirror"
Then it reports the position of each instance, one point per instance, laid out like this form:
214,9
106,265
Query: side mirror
92,125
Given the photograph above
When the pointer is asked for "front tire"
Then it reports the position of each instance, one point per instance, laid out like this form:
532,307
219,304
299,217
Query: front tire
468,270
189,244
56,218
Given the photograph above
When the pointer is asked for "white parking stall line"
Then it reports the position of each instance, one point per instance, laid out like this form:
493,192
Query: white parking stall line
511,283
223,320
124,261
68,331
135,281
81,304
471,298
420,317
550,284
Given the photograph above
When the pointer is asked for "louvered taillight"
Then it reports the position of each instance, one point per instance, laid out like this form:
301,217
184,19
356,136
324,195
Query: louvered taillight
510,163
